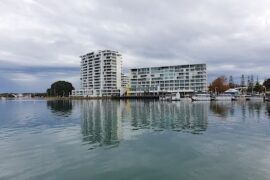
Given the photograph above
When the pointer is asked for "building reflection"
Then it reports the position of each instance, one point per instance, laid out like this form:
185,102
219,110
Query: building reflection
267,107
178,116
101,122
254,109
60,107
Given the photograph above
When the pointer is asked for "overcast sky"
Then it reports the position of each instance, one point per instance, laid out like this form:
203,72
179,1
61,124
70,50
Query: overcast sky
41,40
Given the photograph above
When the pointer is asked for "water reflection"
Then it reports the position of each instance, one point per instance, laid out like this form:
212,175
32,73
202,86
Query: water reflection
222,109
151,146
254,109
105,122
60,107
267,107
247,109
101,121
159,116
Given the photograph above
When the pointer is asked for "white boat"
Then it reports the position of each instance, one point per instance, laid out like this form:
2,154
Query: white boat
202,97
165,98
176,97
224,97
186,99
266,97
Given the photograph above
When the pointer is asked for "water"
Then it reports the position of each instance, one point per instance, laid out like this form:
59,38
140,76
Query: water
121,140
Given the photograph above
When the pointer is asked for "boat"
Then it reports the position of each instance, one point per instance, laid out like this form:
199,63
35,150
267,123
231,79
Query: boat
224,97
170,97
266,97
3,98
202,97
165,98
235,98
247,97
176,97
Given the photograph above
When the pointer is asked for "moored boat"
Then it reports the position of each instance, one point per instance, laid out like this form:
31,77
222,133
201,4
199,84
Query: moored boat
165,98
247,97
266,97
202,97
176,97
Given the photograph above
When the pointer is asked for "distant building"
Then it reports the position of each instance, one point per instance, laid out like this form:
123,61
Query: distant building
171,79
100,74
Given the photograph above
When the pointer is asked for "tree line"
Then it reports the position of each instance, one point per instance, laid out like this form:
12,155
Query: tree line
221,84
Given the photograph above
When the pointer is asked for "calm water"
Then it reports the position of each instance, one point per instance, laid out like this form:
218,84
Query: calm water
120,140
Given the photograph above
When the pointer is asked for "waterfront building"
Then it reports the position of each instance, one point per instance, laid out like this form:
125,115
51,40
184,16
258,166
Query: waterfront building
168,79
124,81
100,74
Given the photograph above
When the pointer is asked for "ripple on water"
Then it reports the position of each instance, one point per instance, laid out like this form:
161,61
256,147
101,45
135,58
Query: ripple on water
54,140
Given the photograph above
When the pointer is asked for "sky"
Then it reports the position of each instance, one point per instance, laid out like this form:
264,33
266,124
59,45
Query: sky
41,40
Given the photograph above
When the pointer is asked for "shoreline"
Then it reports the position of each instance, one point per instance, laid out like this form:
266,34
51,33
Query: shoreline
101,98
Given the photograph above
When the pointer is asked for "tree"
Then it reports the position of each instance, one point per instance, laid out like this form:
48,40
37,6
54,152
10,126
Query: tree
231,82
60,106
251,80
258,88
219,85
60,88
242,80
250,83
266,84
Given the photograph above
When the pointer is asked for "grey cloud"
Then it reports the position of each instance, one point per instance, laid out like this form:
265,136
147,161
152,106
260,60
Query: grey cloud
25,79
231,36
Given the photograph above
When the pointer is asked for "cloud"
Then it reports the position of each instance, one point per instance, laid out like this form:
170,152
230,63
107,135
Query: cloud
231,36
35,79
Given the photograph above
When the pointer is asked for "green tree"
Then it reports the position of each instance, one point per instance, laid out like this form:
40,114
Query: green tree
258,88
266,84
60,88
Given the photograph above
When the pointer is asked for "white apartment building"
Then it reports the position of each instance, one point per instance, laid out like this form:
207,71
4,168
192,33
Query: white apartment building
100,74
125,81
172,79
